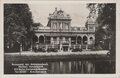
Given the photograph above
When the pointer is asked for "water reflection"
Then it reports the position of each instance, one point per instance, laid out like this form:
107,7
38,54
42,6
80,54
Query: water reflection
71,67
64,67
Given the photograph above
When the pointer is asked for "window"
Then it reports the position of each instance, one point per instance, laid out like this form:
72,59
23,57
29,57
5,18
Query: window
84,40
41,39
91,28
67,26
54,26
79,39
60,24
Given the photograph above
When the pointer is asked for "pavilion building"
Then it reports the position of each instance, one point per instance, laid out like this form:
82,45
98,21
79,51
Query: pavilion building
59,33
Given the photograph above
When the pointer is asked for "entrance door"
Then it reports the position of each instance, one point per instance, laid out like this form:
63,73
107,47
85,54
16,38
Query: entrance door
65,48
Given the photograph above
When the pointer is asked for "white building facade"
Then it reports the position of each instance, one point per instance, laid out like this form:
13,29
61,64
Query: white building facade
61,36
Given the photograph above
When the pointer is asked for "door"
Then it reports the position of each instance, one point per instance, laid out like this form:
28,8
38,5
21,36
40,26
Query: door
65,48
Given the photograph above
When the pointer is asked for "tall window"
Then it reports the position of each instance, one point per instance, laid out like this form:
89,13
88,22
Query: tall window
57,26
55,40
41,39
84,40
79,39
54,26
63,26
67,26
91,40
60,24
90,28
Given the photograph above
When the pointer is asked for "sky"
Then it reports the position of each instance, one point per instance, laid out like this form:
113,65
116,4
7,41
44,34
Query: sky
77,11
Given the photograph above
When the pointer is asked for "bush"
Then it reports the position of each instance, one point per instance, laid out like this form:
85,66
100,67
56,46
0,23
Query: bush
96,48
77,50
52,50
14,48
41,50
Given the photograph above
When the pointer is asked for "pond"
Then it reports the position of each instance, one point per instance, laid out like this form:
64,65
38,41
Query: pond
62,67
80,67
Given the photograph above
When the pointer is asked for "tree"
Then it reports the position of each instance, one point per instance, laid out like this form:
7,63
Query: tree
106,20
17,26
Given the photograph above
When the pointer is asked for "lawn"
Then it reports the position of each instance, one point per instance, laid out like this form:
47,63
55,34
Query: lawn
32,56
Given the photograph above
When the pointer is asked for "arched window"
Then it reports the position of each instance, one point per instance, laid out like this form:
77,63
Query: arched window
91,40
84,40
41,39
79,39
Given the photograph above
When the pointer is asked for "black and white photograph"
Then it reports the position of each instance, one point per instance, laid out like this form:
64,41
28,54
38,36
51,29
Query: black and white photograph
59,38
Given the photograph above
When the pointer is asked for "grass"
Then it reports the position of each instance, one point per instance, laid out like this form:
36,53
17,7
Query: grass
32,56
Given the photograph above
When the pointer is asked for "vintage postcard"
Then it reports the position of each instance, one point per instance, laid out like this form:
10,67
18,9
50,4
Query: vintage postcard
59,37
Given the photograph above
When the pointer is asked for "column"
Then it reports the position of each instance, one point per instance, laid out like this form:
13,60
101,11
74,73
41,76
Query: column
44,40
88,40
61,47
80,46
52,42
61,25
58,26
76,39
58,42
69,45
63,39
87,43
46,47
81,41
39,46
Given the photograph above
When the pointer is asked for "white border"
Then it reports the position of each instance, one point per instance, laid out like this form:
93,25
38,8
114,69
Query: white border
2,75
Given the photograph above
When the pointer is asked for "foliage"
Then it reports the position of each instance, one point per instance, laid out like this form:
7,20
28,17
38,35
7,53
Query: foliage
52,50
77,50
17,25
41,50
106,20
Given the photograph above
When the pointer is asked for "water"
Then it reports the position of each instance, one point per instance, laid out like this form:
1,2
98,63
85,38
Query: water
72,67
81,67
